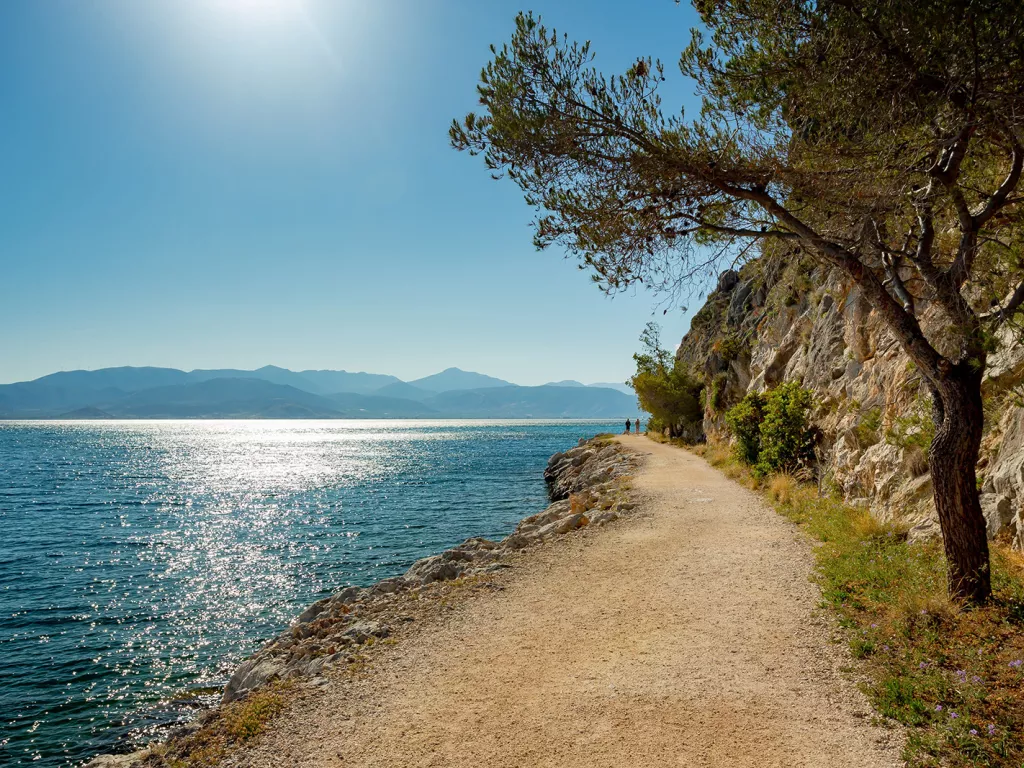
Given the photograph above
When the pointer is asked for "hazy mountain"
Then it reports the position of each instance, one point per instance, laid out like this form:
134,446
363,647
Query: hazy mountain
273,392
624,388
29,400
229,398
375,407
224,398
67,391
271,373
126,378
454,378
58,393
403,390
86,413
318,382
326,382
544,402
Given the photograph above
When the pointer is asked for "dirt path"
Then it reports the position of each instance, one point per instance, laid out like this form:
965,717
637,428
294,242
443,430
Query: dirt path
683,636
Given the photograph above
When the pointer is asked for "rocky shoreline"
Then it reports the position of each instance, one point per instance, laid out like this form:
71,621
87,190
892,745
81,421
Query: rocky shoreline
588,486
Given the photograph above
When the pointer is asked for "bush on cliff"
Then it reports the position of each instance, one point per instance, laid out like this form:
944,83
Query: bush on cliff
744,421
666,389
772,430
786,438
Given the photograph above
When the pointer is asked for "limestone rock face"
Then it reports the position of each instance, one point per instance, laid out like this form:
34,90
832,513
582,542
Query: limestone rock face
1002,490
583,467
795,321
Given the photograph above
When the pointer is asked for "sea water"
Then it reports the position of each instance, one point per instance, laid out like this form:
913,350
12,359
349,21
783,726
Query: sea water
140,561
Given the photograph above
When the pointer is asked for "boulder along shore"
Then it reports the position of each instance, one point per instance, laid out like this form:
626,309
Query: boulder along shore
588,486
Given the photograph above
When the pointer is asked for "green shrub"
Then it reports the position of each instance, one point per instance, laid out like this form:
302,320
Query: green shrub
786,439
915,430
666,388
744,421
772,430
868,426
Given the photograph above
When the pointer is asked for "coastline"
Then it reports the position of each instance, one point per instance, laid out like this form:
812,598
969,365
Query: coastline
587,486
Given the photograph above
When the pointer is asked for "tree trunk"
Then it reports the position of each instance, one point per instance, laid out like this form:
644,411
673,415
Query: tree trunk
952,459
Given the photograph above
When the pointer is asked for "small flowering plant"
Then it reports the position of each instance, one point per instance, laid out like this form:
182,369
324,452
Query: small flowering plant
952,697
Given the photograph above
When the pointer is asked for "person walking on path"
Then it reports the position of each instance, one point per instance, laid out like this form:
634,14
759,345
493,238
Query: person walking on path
628,423
636,426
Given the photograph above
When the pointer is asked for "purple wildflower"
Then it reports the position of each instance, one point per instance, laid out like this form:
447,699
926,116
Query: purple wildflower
991,729
973,731
953,715
975,679
1016,663
938,707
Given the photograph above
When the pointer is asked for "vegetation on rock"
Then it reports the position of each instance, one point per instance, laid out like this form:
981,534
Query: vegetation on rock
772,430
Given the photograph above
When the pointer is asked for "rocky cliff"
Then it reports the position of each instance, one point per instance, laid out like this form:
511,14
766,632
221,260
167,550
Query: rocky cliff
783,318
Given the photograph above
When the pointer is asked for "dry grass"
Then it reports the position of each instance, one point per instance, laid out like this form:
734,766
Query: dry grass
867,526
716,454
734,472
230,726
915,461
781,488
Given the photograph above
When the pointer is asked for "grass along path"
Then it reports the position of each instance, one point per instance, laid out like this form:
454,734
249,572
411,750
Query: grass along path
685,635
955,677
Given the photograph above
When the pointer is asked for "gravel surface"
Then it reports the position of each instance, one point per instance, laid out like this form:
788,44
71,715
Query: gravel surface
684,635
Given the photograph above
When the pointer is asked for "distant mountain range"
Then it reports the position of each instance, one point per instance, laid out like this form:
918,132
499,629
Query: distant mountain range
278,393
624,388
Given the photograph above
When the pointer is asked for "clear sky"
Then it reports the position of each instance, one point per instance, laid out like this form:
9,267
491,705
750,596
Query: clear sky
232,183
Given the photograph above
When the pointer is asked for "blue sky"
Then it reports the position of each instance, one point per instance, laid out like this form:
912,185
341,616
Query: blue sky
214,183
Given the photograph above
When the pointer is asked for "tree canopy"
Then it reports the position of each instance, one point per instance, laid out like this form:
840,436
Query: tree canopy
666,389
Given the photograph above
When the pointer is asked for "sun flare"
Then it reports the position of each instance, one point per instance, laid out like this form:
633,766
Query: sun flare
259,11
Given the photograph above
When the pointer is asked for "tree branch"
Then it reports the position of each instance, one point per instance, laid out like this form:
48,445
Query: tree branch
999,197
902,323
960,270
1002,313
